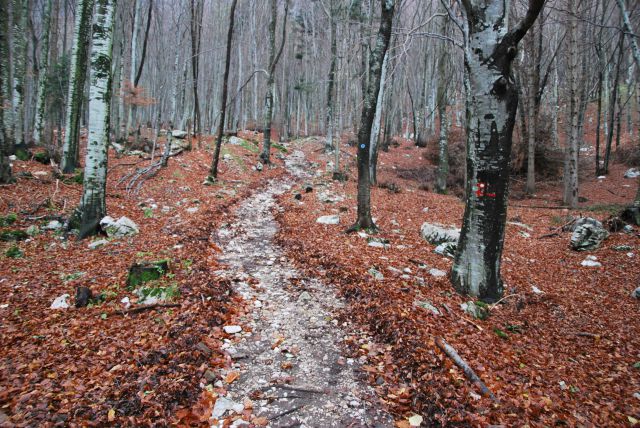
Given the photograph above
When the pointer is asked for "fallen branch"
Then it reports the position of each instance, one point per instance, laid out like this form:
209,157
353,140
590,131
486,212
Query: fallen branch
500,301
300,389
468,371
285,413
146,308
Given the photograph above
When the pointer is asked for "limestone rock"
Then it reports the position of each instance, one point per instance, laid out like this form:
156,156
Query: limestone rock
476,310
447,249
588,235
181,135
636,293
124,226
61,302
436,234
328,219
97,244
591,261
632,173
232,329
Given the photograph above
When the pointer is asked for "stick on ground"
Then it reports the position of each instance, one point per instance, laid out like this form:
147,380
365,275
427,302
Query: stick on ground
468,371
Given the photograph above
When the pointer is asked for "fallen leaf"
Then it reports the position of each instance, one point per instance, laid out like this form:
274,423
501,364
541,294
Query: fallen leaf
231,377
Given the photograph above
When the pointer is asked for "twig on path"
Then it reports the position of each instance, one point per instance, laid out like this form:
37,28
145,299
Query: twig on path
468,371
500,301
146,307
300,389
285,413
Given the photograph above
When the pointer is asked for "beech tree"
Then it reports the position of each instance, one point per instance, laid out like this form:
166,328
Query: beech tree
78,72
5,166
93,203
364,220
492,101
213,173
271,78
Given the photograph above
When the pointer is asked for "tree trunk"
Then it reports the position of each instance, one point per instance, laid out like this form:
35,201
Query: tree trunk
374,139
5,166
443,100
196,31
612,104
635,51
213,173
265,156
331,79
44,71
77,77
93,203
364,220
571,152
492,102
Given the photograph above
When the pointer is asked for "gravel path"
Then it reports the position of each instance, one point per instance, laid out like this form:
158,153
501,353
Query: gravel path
290,363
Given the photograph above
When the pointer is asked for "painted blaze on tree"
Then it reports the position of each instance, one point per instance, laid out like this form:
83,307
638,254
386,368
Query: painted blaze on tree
492,102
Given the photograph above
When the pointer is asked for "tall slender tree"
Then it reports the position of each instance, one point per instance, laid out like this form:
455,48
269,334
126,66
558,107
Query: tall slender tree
77,77
213,172
274,57
44,69
93,203
5,166
364,220
492,101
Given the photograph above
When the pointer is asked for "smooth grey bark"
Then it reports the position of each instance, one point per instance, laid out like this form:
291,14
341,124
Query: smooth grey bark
612,104
492,101
213,172
5,166
570,196
635,51
93,203
364,220
443,100
329,145
77,77
44,68
196,35
274,56
374,139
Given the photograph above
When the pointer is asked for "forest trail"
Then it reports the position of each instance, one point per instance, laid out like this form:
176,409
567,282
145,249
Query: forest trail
290,364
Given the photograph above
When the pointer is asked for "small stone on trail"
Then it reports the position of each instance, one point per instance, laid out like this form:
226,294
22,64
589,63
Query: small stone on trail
536,290
632,173
437,273
636,293
232,329
96,244
328,219
376,274
590,261
61,302
304,297
259,166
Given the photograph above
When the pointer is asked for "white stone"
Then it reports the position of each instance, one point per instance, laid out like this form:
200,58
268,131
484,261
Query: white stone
328,219
437,273
61,302
632,173
636,293
124,226
176,133
437,234
536,290
53,225
126,302
223,405
96,244
233,140
192,210
232,329
590,261
377,244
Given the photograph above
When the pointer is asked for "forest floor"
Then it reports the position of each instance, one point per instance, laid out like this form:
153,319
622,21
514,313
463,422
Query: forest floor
247,253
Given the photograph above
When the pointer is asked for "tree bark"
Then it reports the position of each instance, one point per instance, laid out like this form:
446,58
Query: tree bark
374,139
78,72
213,173
5,166
329,146
364,220
571,153
44,70
93,203
265,156
492,102
443,100
635,51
